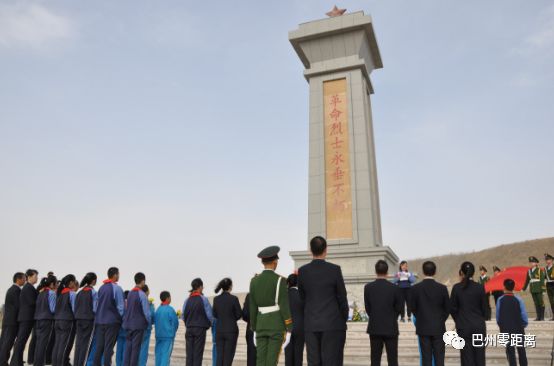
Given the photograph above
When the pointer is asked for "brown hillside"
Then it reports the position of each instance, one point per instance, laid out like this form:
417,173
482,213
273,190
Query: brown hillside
506,255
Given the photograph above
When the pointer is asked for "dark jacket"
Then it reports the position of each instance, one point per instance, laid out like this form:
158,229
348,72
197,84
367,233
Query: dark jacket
197,312
323,293
468,307
227,311
246,312
511,315
296,310
383,304
431,306
11,306
84,304
27,303
64,309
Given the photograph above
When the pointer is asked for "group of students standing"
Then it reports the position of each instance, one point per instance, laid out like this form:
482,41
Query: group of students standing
66,314
308,309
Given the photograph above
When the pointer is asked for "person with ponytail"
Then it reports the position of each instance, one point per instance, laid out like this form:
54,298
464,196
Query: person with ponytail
44,318
227,311
64,326
198,317
405,279
85,309
468,306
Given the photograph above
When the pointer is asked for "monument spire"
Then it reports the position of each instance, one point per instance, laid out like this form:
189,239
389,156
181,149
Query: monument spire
339,56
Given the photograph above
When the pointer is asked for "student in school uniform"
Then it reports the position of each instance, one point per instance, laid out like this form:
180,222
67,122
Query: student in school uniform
198,318
121,338
25,318
468,307
404,279
227,311
9,321
108,317
167,324
145,345
64,320
44,318
86,303
511,317
135,320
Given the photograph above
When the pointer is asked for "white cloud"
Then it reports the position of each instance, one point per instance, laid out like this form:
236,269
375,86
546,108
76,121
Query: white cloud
31,25
541,39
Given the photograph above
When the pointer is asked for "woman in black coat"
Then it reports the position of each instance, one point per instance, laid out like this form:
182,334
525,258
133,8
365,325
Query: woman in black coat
468,302
227,311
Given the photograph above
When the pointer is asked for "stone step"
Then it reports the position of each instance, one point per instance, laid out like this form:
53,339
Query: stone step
357,350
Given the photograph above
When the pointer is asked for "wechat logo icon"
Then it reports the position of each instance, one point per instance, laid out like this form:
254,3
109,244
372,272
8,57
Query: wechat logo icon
451,338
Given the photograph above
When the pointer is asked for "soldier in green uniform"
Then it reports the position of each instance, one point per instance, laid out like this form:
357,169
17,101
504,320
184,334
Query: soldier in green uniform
483,279
549,274
270,316
535,282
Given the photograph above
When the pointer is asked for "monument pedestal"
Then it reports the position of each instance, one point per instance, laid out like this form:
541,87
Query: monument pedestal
339,54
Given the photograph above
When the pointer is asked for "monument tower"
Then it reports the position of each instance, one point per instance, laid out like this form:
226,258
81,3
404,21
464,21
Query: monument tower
339,53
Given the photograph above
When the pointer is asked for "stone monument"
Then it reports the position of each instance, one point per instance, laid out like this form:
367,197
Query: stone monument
339,53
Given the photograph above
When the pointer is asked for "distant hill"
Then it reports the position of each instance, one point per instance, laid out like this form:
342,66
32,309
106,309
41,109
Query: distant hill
506,255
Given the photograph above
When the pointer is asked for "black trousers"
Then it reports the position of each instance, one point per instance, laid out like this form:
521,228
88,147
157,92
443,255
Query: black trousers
226,345
294,353
50,348
63,344
432,347
106,336
521,354
31,350
391,345
325,348
195,342
489,309
23,333
83,339
250,348
472,356
133,341
405,292
44,330
7,341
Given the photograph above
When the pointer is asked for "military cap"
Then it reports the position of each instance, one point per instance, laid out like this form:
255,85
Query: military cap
533,259
482,268
547,256
496,269
270,253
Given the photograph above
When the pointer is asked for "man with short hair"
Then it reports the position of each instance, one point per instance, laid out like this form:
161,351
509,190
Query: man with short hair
511,317
25,317
109,314
383,304
9,321
431,305
323,294
135,320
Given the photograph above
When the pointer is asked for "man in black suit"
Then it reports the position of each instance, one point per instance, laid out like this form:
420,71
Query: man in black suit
294,353
383,304
322,290
25,317
9,322
431,305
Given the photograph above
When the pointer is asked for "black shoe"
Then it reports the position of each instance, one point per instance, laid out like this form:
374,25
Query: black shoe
409,319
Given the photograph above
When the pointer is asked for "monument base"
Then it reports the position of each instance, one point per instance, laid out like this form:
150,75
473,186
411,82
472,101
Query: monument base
358,266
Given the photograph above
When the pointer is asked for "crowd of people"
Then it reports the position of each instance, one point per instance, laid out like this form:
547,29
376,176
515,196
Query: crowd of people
308,310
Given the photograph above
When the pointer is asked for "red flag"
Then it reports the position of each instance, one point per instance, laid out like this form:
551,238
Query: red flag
518,274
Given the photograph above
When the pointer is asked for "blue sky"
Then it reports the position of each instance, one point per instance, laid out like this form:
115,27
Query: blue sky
171,137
